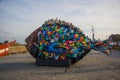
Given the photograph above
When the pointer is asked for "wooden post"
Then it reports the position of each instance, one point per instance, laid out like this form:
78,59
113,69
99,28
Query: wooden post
68,67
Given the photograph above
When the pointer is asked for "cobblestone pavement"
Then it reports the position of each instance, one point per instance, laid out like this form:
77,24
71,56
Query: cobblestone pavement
95,66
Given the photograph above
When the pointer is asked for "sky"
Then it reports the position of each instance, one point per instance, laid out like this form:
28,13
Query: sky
19,18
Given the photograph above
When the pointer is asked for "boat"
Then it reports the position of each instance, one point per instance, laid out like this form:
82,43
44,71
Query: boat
4,47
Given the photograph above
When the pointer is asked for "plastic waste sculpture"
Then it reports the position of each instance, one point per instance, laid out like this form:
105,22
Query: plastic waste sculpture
58,43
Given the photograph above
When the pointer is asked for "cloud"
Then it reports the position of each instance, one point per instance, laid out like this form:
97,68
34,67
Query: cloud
21,17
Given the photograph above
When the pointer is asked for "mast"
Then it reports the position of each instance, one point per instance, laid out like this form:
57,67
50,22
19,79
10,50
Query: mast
93,34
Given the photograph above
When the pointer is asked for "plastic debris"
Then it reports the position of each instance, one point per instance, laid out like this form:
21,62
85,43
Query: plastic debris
58,40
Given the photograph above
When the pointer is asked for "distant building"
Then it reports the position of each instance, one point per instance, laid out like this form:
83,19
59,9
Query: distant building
115,38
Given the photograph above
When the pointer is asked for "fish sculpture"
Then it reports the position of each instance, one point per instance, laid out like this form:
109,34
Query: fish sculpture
58,43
